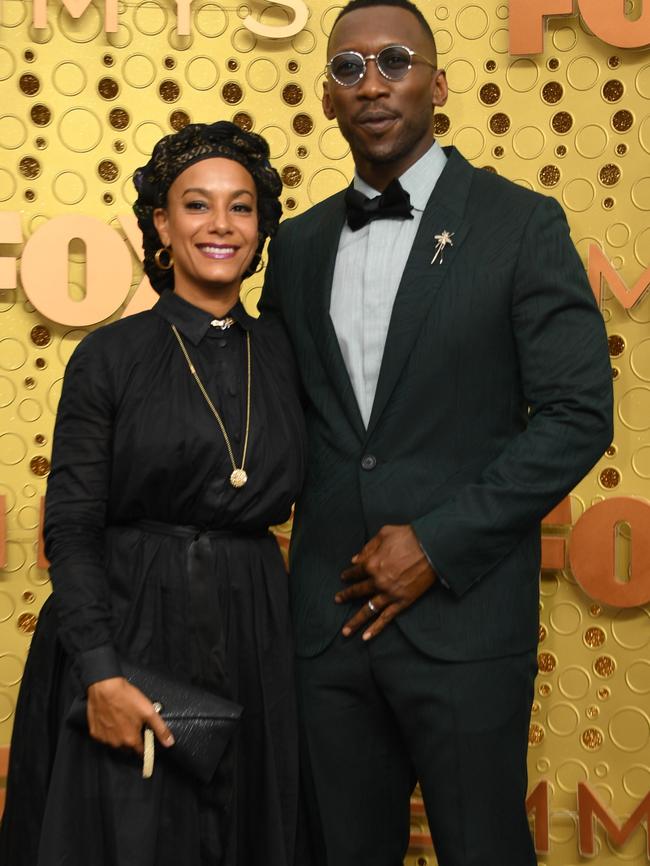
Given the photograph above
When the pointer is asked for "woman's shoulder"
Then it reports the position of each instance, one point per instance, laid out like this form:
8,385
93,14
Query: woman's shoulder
118,343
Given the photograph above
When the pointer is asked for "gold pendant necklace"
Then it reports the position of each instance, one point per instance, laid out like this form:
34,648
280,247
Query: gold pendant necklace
238,476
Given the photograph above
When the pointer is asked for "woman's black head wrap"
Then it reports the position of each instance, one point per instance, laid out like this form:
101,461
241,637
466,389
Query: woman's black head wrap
174,153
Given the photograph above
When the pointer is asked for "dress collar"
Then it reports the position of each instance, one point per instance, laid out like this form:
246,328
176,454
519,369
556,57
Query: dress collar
418,181
193,322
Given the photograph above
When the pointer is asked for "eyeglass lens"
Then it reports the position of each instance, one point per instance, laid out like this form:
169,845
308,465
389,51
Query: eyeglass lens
349,67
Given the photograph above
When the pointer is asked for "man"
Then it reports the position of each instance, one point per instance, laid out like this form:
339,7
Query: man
457,386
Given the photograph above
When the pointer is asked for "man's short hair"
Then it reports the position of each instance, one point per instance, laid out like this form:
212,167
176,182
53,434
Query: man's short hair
353,5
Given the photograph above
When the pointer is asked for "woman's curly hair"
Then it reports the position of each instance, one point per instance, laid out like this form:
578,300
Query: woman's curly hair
178,151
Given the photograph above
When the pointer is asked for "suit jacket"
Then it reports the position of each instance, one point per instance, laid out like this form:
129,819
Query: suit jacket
494,399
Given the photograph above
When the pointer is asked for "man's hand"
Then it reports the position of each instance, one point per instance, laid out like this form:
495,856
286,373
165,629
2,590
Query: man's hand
117,712
392,571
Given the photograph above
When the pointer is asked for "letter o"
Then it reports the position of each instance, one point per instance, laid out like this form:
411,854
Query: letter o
44,270
593,549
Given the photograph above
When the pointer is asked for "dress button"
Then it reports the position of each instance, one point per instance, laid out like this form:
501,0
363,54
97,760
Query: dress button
368,462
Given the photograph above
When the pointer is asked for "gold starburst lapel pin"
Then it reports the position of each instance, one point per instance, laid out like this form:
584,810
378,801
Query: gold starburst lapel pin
443,240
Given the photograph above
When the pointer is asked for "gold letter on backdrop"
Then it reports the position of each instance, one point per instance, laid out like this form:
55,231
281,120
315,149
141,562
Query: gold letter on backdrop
527,23
301,13
601,269
44,270
10,233
76,8
590,810
592,552
608,22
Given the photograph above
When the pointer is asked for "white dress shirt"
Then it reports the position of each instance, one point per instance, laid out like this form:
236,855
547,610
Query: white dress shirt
367,274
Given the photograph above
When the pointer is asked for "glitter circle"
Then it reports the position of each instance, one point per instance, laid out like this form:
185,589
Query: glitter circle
292,94
29,84
604,666
441,124
39,466
108,88
243,120
490,93
594,637
552,92
522,75
542,633
546,662
302,124
119,118
549,175
179,119
592,738
29,167
613,90
40,114
616,345
562,122
169,90
26,623
536,734
108,170
622,120
499,123
232,93
609,174
291,176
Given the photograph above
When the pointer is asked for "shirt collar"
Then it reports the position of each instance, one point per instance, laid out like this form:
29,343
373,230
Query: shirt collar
418,181
193,322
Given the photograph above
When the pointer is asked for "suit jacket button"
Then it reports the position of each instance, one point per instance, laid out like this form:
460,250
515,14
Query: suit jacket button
368,462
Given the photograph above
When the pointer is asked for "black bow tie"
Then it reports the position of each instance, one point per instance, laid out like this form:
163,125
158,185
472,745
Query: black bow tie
393,202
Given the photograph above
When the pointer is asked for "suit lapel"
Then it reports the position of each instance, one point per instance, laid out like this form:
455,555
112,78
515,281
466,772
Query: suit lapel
323,246
421,280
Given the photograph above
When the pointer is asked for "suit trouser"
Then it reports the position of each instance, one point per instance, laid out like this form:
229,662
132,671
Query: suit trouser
377,716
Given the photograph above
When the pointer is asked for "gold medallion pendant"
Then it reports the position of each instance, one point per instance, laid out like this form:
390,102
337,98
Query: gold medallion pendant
238,478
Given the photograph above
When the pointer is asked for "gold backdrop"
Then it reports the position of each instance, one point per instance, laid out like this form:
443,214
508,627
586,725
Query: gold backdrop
80,109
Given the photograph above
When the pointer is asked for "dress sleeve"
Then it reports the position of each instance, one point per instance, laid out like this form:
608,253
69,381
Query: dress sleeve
75,512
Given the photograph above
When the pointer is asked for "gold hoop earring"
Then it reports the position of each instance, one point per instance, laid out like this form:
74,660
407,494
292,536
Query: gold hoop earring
158,258
260,267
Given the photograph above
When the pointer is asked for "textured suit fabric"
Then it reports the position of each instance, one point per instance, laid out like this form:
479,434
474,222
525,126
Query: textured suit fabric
493,400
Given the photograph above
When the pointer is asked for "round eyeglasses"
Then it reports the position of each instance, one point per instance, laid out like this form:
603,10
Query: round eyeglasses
394,61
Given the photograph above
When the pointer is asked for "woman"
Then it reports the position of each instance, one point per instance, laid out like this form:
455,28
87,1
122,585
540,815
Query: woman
178,441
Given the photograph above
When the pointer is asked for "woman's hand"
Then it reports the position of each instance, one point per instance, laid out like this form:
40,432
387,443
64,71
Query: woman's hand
117,713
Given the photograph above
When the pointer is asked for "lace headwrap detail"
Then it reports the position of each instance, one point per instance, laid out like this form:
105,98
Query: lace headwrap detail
178,151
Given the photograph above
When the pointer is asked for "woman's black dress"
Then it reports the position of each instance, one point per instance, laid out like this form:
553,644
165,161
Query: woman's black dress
157,558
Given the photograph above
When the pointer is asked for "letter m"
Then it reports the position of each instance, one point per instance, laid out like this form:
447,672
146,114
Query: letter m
590,808
76,8
600,270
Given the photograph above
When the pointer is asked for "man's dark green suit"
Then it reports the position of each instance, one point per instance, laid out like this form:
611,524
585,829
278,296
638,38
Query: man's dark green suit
493,400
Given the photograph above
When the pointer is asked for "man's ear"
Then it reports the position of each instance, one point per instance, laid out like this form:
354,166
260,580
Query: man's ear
328,108
439,88
161,222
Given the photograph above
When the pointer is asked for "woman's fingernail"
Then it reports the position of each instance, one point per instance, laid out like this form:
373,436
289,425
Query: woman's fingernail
170,740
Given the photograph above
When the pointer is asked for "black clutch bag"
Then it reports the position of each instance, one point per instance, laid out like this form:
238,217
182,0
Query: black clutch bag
202,723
